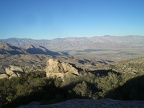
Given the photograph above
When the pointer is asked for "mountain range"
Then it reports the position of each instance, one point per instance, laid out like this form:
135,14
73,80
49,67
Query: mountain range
79,43
6,48
66,68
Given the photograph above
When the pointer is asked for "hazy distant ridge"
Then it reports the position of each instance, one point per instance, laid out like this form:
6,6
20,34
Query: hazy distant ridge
80,42
6,48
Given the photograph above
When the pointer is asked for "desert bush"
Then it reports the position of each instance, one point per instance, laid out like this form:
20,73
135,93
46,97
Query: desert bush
86,90
107,83
132,89
19,87
34,86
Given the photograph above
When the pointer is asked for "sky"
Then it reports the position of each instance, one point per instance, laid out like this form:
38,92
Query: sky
48,19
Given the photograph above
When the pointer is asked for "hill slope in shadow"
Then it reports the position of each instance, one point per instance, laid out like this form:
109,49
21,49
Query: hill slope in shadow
133,89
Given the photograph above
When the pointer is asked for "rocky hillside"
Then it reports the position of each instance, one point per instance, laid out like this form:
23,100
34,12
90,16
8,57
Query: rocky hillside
27,62
11,50
58,81
38,74
6,48
133,66
80,43
33,58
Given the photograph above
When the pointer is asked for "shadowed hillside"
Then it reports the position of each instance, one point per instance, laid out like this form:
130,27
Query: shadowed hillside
132,89
41,50
6,48
11,50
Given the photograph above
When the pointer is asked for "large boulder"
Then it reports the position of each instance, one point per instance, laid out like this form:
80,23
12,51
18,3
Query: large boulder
14,71
2,76
58,69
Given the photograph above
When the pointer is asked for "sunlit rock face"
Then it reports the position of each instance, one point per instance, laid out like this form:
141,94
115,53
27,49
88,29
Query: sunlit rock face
13,71
57,69
2,76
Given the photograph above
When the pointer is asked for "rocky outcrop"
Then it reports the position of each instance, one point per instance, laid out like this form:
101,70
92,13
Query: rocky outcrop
57,69
2,76
13,71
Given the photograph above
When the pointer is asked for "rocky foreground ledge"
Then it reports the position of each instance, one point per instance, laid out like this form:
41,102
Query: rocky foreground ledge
89,103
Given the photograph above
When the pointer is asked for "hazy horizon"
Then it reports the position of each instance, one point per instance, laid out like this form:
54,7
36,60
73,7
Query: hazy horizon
68,37
49,19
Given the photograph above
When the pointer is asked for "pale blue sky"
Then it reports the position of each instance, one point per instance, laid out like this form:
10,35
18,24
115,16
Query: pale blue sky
48,19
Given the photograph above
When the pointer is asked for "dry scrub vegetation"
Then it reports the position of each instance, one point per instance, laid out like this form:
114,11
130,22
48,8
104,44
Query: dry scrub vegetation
123,80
